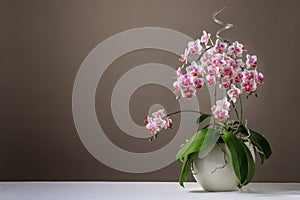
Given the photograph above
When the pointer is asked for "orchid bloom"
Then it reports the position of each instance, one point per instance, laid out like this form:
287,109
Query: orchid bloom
211,79
241,46
205,37
213,70
234,93
152,127
169,123
183,57
249,86
232,63
224,104
251,61
148,120
188,92
225,83
218,60
179,72
158,121
238,77
227,72
235,49
221,114
249,75
193,69
159,114
260,78
206,60
185,80
220,47
176,86
220,110
194,47
198,82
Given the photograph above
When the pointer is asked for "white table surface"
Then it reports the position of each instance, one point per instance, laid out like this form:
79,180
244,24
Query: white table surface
140,191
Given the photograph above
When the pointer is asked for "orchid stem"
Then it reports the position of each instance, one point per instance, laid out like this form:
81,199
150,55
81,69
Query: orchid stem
241,109
180,111
236,112
215,101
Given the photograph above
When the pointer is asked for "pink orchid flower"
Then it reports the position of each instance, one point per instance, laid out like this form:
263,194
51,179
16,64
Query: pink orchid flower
220,110
220,47
178,72
148,120
251,61
211,79
238,77
198,82
185,80
205,37
241,46
159,114
260,78
218,60
249,75
223,104
225,83
194,47
227,72
176,86
169,123
213,70
206,60
235,49
193,69
234,93
249,86
159,122
221,114
188,92
183,57
153,129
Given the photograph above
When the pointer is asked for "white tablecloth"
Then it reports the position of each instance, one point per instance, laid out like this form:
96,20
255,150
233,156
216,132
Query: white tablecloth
139,191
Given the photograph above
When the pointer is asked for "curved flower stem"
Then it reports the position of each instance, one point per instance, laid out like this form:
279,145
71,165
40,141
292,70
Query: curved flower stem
215,101
235,109
241,109
194,111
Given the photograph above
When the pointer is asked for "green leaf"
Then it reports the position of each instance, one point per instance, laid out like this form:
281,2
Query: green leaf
259,141
202,118
262,144
238,160
186,168
251,165
183,169
244,130
203,139
242,160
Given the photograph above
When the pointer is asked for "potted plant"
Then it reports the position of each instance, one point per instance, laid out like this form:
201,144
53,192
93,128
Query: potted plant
221,155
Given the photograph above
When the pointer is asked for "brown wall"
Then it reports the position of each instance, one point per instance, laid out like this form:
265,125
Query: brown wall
43,44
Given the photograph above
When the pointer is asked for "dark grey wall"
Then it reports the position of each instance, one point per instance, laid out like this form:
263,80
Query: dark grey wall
44,42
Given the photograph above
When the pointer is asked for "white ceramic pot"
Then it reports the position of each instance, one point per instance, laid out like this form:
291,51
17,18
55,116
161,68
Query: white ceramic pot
213,174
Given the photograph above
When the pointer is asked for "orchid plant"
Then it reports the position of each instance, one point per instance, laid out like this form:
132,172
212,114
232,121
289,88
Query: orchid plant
225,65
